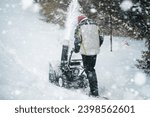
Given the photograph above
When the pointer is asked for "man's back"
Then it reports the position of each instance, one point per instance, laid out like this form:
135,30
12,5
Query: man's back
90,39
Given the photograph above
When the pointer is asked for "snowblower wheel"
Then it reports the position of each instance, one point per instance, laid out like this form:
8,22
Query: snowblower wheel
60,82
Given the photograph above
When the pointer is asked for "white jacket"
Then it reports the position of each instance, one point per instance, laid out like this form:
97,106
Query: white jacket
89,34
90,40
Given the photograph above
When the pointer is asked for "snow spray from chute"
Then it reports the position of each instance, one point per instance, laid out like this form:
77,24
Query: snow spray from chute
70,24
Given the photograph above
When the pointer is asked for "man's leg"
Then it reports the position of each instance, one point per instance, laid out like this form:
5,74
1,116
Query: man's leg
89,64
93,83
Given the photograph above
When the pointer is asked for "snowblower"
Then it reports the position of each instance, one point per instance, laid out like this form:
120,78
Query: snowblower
70,72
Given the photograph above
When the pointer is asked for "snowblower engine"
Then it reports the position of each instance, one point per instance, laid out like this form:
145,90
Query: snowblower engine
71,73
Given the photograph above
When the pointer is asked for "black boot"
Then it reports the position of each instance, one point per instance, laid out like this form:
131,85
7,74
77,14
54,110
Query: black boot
93,83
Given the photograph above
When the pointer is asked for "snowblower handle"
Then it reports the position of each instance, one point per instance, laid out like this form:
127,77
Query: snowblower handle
72,50
71,55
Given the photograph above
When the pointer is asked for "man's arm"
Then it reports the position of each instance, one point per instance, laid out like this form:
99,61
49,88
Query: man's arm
78,40
101,39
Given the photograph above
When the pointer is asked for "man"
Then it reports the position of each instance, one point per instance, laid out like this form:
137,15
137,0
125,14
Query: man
88,40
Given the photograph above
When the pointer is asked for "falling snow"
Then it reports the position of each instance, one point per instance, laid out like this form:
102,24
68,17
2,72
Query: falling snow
93,10
27,45
26,4
126,5
140,79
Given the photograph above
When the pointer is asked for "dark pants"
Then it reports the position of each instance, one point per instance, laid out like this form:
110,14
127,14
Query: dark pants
89,64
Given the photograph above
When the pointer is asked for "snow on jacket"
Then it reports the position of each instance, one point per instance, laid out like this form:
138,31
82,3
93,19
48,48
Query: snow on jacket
88,38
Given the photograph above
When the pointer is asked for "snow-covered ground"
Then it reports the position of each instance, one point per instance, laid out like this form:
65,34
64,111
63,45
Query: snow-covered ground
118,76
27,45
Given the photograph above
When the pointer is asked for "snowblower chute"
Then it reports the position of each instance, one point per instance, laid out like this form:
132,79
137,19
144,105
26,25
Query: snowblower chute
71,72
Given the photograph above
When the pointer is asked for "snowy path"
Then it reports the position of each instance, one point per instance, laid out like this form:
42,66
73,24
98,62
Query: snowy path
27,45
117,72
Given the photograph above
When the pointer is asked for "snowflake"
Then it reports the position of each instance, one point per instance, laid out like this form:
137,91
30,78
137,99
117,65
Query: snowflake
126,5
